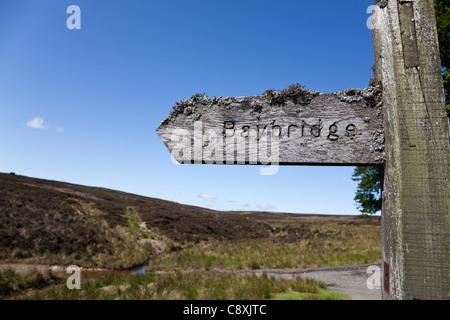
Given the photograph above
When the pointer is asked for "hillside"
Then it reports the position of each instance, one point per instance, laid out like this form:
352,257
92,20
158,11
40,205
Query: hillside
52,222
40,217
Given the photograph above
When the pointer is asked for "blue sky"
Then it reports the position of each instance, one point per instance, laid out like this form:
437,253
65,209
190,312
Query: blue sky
82,105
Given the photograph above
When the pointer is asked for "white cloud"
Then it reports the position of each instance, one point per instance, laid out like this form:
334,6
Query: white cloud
36,123
238,203
60,129
206,196
265,206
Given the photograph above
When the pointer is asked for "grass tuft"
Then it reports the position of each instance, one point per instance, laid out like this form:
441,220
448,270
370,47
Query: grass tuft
12,282
191,286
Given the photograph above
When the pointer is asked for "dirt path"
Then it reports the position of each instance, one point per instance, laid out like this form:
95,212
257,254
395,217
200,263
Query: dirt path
351,279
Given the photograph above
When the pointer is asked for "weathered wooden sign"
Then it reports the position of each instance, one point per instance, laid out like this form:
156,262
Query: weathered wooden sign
288,127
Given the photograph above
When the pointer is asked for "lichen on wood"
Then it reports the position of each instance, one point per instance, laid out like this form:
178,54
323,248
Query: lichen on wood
296,93
344,128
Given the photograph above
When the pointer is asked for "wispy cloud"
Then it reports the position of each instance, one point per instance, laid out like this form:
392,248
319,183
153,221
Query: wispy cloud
37,123
206,196
238,203
266,206
59,129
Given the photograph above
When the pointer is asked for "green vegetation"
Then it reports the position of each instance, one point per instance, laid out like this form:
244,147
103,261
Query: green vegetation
344,245
321,294
118,247
191,286
12,282
50,222
442,9
130,249
190,248
368,193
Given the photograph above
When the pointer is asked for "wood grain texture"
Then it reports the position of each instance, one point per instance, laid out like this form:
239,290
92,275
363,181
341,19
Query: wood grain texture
343,128
416,199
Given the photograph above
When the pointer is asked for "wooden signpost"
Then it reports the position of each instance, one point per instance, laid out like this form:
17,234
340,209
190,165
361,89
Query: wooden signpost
289,127
400,124
416,197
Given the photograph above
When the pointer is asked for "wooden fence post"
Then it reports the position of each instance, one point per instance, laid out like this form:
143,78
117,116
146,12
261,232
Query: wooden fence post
416,197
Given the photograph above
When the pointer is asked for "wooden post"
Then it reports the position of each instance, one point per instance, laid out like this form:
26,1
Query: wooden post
416,198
